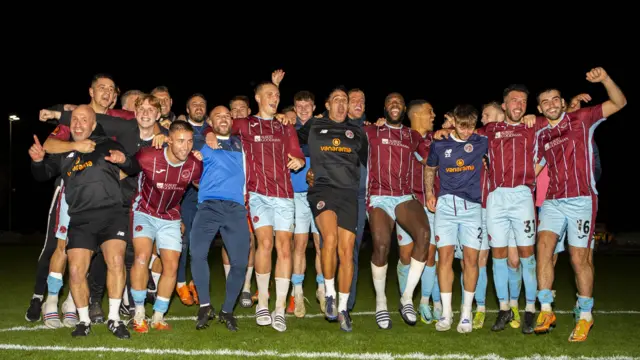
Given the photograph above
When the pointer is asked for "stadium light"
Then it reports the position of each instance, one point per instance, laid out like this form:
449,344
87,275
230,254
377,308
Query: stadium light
12,118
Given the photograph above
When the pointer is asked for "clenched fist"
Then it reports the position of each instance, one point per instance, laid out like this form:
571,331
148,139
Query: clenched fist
597,75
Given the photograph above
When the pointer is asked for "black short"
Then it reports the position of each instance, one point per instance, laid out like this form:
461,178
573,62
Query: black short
343,202
93,228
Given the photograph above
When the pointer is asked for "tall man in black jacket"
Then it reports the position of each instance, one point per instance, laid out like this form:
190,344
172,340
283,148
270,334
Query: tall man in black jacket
95,207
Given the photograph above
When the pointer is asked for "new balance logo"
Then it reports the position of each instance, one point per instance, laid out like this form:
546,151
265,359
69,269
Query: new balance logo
120,233
324,131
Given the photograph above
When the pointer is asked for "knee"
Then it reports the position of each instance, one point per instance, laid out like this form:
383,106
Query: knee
345,254
169,268
284,249
470,262
265,244
330,241
77,273
579,259
141,259
115,262
514,262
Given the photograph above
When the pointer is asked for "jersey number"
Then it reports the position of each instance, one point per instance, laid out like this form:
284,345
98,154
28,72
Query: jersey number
480,234
583,227
529,225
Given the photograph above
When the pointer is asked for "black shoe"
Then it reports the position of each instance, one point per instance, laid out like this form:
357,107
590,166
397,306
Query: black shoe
527,327
504,317
119,329
228,320
82,329
95,313
34,311
124,310
205,314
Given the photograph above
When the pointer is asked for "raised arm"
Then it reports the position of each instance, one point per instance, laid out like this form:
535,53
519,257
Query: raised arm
617,100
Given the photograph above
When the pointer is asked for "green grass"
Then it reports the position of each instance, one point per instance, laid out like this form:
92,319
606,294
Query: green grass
611,335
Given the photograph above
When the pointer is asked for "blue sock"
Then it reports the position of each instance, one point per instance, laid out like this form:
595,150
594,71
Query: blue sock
320,279
161,305
530,278
297,279
501,279
585,303
54,285
435,294
515,282
139,296
545,296
481,287
428,280
403,274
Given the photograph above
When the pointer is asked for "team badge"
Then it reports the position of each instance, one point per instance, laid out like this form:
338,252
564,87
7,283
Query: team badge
139,228
256,219
63,229
320,205
468,148
349,134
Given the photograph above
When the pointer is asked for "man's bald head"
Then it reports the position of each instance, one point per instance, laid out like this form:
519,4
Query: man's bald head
83,122
220,120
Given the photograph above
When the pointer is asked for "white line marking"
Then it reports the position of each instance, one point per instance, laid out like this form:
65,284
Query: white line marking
362,313
308,355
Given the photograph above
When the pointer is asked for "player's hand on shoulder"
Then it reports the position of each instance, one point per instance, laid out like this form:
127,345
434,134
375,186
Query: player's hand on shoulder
442,134
197,154
529,120
116,157
84,146
158,141
211,140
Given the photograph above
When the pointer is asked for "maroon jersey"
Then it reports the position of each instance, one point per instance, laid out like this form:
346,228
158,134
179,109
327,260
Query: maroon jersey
484,183
567,148
61,132
161,184
512,155
417,173
267,145
391,158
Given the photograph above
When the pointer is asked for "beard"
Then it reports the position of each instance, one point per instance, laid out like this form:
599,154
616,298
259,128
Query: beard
390,120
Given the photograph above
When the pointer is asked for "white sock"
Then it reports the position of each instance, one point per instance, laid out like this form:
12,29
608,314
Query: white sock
227,268
530,308
379,275
181,284
513,303
263,289
297,289
468,302
415,272
342,301
546,307
282,285
586,315
247,279
157,317
83,314
446,305
156,279
114,309
203,305
38,297
153,258
504,306
424,300
140,312
481,308
330,287
293,289
125,297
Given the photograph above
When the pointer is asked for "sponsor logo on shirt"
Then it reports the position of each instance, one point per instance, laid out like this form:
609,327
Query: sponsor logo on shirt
460,167
507,134
266,138
394,143
336,147
554,142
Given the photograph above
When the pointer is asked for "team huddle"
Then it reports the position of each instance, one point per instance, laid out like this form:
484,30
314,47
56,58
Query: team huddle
139,190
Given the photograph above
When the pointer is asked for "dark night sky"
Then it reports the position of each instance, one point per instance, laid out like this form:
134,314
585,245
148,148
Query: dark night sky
445,76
